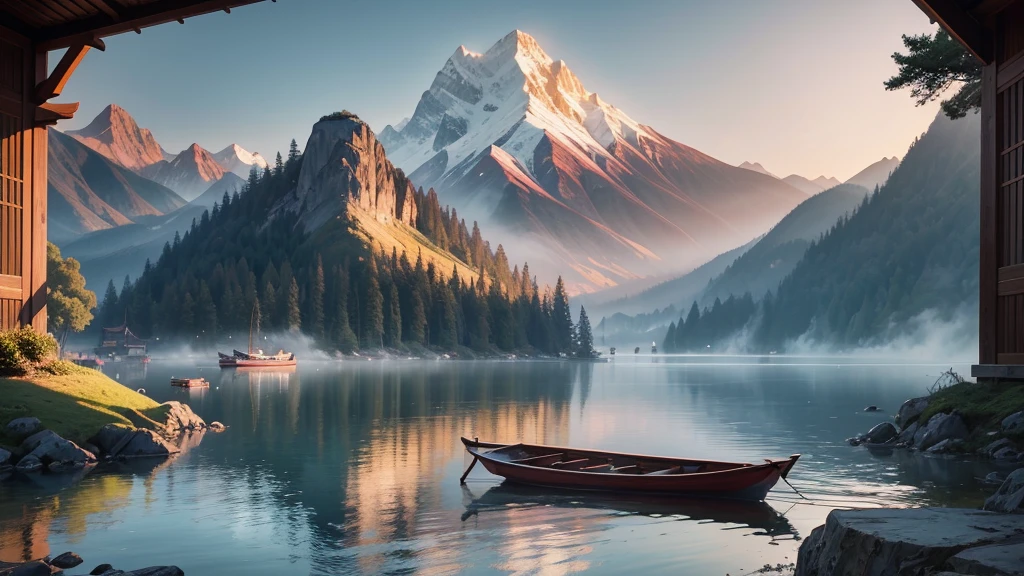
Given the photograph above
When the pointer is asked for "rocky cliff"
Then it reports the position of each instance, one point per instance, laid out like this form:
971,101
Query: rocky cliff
344,168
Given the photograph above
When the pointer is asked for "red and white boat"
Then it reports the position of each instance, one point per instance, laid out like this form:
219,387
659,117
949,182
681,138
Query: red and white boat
255,358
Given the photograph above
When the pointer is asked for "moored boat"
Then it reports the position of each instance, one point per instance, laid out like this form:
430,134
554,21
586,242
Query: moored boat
255,358
578,469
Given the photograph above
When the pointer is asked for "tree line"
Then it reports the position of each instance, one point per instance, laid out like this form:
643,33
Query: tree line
329,285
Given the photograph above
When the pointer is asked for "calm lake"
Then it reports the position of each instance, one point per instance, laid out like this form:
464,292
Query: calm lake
353,467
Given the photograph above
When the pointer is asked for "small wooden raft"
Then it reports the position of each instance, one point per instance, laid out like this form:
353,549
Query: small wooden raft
189,382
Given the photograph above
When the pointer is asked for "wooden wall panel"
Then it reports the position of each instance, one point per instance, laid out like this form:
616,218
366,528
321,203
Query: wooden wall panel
12,177
1009,221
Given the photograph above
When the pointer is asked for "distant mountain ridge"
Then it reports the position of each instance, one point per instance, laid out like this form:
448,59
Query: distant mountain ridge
189,174
87,192
513,139
115,134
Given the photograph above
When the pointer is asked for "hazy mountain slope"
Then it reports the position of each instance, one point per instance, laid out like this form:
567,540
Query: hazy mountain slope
114,253
115,134
876,174
910,251
189,174
756,167
512,138
230,183
761,268
88,192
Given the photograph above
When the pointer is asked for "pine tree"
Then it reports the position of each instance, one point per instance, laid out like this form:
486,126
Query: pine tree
317,299
561,319
373,315
669,344
186,315
278,166
206,320
343,335
393,318
584,337
418,322
293,151
109,307
294,317
269,299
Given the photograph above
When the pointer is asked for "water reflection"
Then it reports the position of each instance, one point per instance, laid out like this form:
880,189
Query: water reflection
353,468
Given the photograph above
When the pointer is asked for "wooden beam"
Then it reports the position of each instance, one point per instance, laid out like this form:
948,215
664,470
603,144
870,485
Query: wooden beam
961,26
106,8
48,113
54,84
134,17
988,259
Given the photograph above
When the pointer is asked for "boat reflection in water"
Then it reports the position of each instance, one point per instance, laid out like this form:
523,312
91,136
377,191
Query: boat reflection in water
732,514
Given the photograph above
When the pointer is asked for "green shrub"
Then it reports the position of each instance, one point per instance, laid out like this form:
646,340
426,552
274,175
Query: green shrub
11,361
62,368
35,347
23,350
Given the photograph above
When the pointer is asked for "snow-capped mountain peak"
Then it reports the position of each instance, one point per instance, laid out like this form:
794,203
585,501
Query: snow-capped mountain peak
236,159
511,95
512,136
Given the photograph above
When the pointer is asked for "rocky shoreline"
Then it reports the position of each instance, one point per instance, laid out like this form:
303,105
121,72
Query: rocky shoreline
68,560
43,451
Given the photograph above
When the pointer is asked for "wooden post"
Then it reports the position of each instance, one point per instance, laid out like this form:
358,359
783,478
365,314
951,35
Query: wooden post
988,261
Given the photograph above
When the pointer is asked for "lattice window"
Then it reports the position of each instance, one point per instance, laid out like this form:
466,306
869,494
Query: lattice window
1011,175
12,195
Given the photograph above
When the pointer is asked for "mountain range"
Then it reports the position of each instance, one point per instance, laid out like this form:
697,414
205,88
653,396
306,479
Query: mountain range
874,175
514,140
116,196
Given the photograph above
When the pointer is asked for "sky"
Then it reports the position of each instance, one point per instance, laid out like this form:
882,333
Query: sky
793,84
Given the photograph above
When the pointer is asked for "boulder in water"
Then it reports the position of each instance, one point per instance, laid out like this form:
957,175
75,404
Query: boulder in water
1010,495
881,433
1014,423
22,427
941,427
910,411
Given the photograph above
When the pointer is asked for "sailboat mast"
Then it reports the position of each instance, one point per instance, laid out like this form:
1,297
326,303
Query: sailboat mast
252,316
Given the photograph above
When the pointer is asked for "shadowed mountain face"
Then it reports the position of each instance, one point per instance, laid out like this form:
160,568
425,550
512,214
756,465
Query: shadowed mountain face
88,192
512,138
876,174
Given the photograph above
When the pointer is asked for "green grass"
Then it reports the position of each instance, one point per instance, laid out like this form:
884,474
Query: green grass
982,406
75,404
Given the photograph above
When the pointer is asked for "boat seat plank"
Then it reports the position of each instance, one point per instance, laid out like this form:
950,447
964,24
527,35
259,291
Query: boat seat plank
631,469
571,464
597,468
542,460
672,470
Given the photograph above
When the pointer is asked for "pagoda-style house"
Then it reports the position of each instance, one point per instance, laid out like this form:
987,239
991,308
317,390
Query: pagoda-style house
993,31
122,343
29,29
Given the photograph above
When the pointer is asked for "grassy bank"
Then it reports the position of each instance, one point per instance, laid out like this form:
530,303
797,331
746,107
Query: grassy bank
982,406
75,404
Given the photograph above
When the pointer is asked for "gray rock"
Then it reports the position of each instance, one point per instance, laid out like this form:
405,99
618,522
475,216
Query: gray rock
947,446
217,427
1014,423
29,464
48,447
1006,453
65,466
110,436
992,560
66,560
180,418
881,433
994,478
996,446
22,427
910,411
157,571
5,457
903,541
906,437
871,408
1010,495
36,568
101,569
145,443
941,427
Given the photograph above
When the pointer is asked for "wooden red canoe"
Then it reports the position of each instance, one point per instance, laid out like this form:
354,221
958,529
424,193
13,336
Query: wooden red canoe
577,469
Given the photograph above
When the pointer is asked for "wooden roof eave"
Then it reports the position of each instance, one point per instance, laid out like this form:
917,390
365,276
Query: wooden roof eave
965,25
117,18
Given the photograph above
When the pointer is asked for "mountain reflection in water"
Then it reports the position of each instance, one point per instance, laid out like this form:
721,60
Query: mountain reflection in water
353,468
